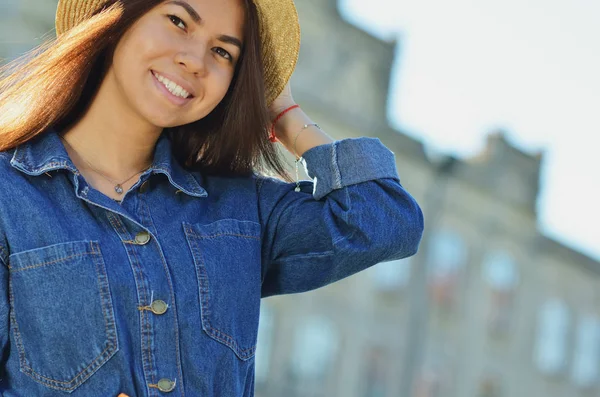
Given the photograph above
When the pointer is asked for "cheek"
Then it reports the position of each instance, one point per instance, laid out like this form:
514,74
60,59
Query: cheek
216,84
138,48
127,65
222,79
216,87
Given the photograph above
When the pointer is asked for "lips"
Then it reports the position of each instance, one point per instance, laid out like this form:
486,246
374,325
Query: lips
176,100
173,86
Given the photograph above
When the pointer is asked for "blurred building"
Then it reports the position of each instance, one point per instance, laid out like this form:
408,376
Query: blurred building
503,311
24,24
507,311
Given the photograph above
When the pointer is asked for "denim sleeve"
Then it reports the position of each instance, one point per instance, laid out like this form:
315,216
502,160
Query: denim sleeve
4,304
352,215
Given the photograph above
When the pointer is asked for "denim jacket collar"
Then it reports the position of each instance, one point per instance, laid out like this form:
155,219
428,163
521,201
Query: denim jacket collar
47,153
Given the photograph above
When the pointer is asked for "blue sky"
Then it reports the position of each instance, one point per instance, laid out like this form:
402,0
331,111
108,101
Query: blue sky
532,68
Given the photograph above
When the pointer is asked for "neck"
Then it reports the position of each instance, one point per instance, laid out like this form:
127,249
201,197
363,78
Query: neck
111,136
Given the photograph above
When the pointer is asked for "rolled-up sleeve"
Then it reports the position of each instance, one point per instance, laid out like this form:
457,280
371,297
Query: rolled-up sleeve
352,215
4,306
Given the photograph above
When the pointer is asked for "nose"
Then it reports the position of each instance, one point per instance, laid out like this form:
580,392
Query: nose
191,63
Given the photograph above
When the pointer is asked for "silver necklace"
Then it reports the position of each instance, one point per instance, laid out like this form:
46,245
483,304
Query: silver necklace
118,185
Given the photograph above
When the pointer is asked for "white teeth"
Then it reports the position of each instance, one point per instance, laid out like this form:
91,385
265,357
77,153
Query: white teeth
172,87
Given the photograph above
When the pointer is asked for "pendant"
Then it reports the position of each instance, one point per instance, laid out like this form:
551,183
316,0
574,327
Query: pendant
119,189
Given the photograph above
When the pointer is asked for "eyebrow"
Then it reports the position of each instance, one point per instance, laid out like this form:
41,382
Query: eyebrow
231,40
193,14
198,20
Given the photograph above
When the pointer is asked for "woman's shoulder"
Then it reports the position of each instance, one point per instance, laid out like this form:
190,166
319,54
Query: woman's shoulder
5,158
7,154
10,177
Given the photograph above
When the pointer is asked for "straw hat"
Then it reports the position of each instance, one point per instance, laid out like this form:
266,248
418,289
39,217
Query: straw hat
279,35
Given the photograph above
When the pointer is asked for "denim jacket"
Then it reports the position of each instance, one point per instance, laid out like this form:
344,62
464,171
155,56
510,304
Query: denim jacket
160,295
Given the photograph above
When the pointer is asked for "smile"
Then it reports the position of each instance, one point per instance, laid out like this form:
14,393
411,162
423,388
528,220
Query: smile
172,90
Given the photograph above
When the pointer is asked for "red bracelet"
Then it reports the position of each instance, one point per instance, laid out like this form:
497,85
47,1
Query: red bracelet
272,137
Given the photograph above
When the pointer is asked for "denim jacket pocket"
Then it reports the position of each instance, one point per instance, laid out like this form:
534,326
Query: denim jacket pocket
62,314
227,258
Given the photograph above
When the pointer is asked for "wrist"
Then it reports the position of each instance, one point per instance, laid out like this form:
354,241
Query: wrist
276,129
289,124
276,109
297,132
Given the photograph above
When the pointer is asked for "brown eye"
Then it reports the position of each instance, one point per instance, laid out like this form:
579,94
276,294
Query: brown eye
177,21
223,53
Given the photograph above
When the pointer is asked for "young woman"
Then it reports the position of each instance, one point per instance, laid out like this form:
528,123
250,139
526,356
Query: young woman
138,228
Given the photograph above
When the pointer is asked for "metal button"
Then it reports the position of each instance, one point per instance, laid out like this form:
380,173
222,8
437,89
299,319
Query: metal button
158,306
144,187
166,385
142,238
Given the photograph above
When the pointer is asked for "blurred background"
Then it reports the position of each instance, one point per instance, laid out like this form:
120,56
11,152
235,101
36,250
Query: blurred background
491,109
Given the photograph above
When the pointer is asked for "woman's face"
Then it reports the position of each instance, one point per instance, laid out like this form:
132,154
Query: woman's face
175,64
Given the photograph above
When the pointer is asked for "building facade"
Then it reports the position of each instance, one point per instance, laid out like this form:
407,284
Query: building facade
489,307
495,308
24,24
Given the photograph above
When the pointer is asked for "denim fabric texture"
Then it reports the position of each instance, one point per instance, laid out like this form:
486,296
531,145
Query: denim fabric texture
160,295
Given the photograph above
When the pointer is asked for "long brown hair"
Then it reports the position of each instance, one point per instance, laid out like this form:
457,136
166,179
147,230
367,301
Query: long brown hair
54,84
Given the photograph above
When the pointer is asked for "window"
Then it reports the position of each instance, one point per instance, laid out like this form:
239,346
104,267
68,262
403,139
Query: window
500,270
446,258
490,387
551,339
587,348
376,365
391,276
436,377
315,348
264,343
501,275
428,384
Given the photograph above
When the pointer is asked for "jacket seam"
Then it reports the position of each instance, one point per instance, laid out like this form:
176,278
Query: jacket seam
30,371
118,225
3,256
62,259
205,302
335,164
309,255
144,207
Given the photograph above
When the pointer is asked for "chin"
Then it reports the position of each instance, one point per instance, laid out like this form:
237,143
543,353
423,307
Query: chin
167,124
161,119
165,119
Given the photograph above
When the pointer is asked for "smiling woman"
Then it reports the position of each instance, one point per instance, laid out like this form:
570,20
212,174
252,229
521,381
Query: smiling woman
105,54
138,230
